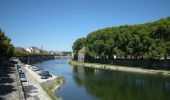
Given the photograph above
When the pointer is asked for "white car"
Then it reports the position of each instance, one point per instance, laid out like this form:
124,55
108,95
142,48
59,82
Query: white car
39,72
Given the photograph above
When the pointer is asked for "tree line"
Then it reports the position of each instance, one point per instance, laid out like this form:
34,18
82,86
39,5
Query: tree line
142,41
6,49
28,54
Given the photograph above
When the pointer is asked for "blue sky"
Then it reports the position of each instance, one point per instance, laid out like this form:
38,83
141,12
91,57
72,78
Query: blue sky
56,24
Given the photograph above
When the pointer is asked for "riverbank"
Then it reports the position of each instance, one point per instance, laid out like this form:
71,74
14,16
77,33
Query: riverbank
37,87
35,59
51,86
121,68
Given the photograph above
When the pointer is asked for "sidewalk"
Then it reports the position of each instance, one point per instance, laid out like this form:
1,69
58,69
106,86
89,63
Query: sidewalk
9,84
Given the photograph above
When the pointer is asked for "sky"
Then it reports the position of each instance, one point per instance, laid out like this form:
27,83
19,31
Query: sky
56,24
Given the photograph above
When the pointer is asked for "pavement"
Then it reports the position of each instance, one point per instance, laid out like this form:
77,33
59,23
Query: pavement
9,84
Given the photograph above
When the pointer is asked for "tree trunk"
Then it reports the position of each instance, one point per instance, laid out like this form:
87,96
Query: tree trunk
125,56
165,57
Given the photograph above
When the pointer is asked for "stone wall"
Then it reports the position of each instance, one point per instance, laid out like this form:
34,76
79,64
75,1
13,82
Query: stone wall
151,64
33,60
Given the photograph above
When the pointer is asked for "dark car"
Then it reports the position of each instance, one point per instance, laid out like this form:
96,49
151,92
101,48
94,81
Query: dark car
45,74
18,66
22,77
44,77
13,62
20,72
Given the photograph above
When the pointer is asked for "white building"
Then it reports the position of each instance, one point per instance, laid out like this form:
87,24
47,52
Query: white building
29,50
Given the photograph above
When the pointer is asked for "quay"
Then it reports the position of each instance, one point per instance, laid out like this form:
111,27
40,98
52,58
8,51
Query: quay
33,88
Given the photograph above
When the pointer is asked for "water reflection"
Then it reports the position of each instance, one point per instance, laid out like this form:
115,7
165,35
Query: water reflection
110,85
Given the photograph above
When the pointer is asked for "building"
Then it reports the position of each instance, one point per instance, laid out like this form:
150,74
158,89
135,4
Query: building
29,50
81,55
72,55
36,50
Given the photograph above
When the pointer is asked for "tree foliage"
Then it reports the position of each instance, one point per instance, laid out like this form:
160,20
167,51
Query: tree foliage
142,41
28,54
6,48
78,44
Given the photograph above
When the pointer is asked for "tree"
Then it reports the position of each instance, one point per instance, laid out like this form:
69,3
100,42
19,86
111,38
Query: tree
6,48
77,45
142,41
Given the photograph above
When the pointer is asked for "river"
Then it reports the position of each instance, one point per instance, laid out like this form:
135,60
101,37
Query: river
82,83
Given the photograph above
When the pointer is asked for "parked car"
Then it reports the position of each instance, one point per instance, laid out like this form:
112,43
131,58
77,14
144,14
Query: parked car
18,66
28,66
22,77
39,72
45,75
39,69
31,67
13,62
36,69
20,71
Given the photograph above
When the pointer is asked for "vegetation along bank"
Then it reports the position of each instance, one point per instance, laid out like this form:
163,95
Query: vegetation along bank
6,49
149,42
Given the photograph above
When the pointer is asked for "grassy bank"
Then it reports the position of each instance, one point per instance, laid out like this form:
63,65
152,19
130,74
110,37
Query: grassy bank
121,68
51,86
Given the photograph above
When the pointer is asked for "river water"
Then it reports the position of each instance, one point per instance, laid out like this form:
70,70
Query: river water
82,83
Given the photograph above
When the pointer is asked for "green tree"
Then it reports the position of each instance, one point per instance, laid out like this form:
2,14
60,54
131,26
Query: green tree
6,48
142,41
77,45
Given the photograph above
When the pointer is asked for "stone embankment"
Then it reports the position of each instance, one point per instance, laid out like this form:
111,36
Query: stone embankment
36,59
51,86
121,68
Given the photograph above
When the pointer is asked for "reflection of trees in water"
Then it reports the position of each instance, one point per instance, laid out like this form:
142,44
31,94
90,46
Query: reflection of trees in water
78,74
109,85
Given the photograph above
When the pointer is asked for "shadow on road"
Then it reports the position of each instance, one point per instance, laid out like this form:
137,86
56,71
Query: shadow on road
1,98
30,91
6,81
5,89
